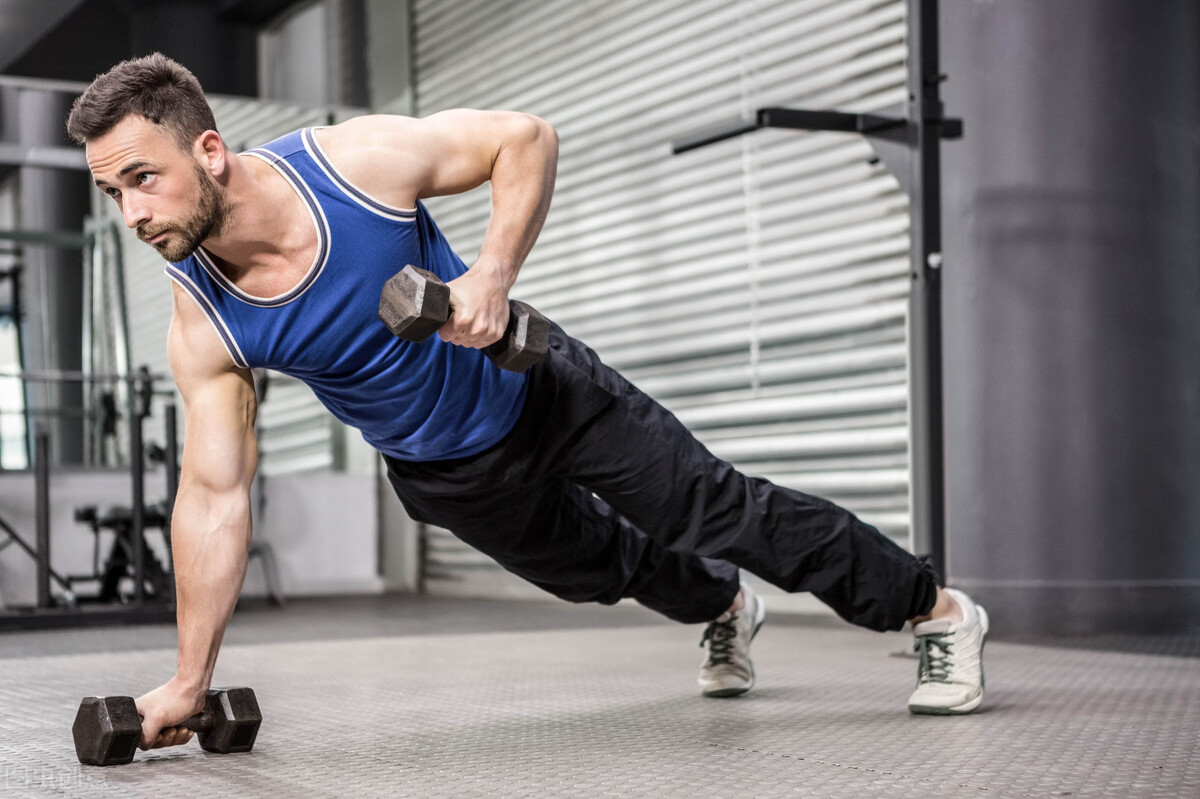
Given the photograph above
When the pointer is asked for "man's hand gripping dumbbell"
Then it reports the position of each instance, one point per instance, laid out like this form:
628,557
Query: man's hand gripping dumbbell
107,728
415,303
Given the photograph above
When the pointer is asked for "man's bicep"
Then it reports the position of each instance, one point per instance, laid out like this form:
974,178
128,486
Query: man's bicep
220,451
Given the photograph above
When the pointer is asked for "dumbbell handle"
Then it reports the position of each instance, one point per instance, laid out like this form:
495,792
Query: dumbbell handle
201,722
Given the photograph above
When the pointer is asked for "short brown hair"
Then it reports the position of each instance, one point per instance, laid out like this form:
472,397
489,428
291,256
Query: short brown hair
154,87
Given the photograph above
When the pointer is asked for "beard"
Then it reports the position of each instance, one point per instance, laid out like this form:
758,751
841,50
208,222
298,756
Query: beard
186,235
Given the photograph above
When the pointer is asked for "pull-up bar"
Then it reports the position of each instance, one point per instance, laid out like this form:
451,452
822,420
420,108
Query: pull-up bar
873,125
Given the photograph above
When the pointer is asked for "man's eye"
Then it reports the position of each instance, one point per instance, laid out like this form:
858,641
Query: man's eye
145,177
112,192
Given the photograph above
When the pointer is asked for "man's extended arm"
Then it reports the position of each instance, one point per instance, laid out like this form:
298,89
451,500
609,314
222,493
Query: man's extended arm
210,527
400,160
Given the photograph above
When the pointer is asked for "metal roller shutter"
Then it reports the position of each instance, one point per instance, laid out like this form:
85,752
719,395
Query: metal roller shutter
757,287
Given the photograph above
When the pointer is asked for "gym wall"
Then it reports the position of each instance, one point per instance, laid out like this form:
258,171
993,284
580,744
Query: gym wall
758,287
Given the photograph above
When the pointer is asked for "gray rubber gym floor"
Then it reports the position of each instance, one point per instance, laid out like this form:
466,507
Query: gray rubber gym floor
454,698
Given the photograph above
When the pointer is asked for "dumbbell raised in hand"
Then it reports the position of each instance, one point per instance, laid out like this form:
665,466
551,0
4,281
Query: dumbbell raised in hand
414,303
107,728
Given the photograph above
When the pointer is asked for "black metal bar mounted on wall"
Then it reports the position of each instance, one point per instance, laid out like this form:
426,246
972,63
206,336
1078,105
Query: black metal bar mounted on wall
910,146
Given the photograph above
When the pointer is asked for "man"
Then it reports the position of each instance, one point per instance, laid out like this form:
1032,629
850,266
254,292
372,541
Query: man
567,475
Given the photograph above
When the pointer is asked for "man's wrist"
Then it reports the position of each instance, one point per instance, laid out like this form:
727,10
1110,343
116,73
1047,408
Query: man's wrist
190,685
500,270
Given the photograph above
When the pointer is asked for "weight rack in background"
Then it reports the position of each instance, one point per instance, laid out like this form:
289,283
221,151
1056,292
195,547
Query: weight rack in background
65,608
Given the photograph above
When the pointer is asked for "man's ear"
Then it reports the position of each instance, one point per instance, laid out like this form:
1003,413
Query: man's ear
210,151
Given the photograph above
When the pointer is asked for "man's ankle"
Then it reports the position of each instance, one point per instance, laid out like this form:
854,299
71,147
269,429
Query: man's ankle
739,602
943,608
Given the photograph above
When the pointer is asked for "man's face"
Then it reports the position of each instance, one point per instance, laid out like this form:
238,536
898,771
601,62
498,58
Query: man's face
165,194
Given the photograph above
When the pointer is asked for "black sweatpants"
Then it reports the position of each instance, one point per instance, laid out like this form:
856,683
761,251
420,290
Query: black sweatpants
599,493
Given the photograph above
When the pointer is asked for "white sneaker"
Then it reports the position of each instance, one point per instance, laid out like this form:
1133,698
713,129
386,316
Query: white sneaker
727,671
950,675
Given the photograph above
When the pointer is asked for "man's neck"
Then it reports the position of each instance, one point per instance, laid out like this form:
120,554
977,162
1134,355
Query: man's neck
269,238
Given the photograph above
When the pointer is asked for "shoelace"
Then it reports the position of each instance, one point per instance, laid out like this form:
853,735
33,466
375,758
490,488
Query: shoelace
719,635
935,653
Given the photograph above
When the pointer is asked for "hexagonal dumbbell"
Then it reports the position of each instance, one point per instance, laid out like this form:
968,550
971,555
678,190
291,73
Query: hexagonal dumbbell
414,303
107,728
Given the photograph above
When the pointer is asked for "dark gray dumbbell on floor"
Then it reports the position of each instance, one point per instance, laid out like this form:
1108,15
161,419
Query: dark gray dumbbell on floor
107,728
415,303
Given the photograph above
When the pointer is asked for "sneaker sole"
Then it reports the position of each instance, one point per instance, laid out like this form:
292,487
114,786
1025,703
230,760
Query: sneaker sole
971,705
959,710
725,693
760,615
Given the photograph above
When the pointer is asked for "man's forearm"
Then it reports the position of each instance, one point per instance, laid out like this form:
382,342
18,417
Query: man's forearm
210,545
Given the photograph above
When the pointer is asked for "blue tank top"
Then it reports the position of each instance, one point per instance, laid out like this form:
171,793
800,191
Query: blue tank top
416,402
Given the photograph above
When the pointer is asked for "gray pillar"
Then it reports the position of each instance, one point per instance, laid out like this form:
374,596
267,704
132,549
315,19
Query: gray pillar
220,52
52,200
1072,312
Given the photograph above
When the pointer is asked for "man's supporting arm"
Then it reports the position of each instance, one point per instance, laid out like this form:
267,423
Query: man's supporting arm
210,527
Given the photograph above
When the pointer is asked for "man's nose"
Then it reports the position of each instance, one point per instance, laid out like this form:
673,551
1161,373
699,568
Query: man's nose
136,213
